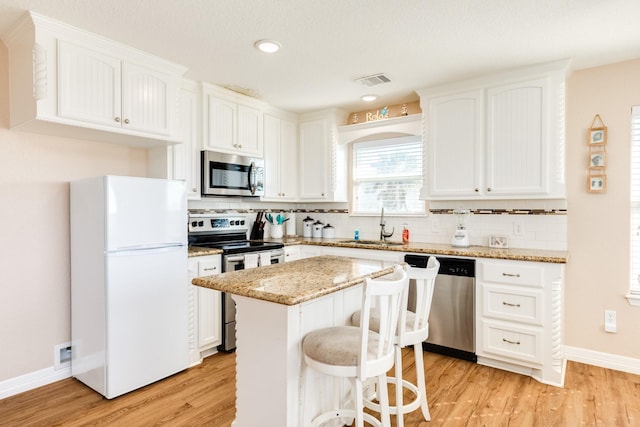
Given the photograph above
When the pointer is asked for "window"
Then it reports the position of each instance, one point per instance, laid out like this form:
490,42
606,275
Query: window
635,202
388,174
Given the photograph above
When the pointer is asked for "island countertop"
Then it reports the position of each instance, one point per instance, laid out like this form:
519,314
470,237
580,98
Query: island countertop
298,281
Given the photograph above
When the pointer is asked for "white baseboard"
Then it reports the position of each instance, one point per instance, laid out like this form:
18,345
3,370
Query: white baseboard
603,360
32,380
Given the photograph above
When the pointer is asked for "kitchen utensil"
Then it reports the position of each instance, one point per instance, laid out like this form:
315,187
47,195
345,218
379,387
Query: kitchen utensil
460,237
269,218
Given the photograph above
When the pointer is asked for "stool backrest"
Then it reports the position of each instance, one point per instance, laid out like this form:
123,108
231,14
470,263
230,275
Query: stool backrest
424,285
388,297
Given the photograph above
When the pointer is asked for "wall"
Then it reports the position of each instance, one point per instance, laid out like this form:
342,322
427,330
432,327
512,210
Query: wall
597,274
35,171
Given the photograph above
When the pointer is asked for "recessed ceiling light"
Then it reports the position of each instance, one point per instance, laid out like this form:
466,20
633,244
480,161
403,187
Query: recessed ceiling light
369,98
267,46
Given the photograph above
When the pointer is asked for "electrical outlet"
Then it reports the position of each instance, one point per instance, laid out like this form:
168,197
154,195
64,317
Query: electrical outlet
610,321
518,228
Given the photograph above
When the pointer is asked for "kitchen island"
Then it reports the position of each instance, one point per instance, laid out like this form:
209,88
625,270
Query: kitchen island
277,306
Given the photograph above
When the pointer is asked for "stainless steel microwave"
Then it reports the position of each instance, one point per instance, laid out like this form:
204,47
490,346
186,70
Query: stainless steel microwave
231,175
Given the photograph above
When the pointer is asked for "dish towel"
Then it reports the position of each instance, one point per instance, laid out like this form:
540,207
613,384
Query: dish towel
250,261
265,258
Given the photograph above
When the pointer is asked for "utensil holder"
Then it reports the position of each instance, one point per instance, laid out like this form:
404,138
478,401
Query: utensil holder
276,231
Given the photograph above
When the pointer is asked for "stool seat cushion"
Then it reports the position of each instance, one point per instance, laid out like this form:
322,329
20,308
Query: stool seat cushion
374,320
337,345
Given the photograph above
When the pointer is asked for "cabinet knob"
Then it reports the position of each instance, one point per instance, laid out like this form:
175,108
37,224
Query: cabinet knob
488,188
194,190
476,190
126,121
117,119
239,145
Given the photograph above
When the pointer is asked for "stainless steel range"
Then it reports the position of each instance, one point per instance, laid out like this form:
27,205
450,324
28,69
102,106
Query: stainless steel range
228,232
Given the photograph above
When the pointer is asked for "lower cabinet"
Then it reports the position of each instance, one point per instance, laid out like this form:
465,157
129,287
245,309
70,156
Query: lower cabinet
519,318
291,253
205,310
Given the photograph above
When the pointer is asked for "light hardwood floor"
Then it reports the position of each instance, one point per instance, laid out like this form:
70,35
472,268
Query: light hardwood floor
460,394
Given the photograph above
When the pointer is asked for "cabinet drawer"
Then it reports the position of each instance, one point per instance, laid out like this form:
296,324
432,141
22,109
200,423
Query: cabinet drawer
512,342
510,303
512,273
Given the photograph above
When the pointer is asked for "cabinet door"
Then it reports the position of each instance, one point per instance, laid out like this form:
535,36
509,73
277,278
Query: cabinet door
89,85
147,98
291,253
194,352
209,308
249,131
313,160
186,156
272,158
454,138
517,139
221,124
288,161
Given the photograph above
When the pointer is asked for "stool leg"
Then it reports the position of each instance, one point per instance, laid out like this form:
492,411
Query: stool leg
420,379
399,402
383,397
358,402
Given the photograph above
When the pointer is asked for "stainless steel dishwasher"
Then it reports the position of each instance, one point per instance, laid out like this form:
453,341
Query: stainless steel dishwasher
452,316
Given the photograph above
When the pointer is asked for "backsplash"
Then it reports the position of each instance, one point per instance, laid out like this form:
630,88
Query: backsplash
527,227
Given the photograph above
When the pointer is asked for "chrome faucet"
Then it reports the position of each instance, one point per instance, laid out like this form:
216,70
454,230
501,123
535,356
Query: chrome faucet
383,233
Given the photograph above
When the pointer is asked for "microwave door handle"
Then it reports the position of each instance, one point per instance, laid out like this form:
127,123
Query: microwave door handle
253,174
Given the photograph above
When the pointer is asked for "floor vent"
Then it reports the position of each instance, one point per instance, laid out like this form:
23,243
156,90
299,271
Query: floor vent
373,80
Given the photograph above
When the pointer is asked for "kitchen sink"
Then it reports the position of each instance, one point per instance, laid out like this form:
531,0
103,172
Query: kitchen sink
372,242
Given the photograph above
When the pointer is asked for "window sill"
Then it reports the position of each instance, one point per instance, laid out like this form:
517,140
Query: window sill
633,299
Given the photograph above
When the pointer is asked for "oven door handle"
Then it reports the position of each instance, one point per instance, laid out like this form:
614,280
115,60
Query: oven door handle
253,178
235,258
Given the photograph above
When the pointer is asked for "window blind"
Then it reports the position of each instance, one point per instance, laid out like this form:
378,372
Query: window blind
388,173
635,200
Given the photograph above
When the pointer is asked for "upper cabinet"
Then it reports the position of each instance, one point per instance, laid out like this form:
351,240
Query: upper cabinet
233,122
499,137
69,82
280,159
323,162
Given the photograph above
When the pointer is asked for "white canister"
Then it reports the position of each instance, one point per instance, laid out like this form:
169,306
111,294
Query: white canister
291,224
317,229
276,231
307,227
328,232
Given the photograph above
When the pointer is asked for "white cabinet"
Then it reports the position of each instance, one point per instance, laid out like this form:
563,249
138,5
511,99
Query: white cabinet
182,161
499,137
292,253
233,122
69,82
205,316
323,162
280,159
519,318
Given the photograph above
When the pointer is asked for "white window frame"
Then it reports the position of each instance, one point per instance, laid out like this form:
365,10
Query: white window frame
634,286
353,181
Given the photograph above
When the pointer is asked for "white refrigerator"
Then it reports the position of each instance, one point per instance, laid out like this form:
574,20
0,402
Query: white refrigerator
129,281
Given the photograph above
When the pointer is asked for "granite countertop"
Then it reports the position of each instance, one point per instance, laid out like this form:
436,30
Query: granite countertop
534,255
298,281
200,251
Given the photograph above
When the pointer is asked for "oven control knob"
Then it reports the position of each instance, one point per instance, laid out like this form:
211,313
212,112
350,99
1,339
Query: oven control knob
194,223
200,223
242,222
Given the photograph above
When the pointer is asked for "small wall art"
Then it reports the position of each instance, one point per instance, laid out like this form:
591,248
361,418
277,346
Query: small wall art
597,162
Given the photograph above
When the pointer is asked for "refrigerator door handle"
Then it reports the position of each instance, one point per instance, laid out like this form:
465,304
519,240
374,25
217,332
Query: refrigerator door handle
146,247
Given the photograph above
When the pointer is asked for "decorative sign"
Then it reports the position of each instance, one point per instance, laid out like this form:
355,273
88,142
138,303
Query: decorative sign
597,140
387,112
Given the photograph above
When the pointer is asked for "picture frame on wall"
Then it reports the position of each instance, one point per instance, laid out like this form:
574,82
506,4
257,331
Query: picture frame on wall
597,159
597,183
598,136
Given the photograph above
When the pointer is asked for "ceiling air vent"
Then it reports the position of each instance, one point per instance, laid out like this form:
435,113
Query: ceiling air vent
373,80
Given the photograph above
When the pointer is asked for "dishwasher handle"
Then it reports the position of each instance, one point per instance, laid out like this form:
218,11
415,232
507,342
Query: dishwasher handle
450,266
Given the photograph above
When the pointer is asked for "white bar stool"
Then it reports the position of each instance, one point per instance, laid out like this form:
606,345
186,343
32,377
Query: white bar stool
413,329
358,353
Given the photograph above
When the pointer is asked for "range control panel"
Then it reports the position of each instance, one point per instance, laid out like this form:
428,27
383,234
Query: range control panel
210,223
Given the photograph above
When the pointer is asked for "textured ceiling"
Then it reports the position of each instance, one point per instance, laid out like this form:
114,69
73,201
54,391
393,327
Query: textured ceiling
329,43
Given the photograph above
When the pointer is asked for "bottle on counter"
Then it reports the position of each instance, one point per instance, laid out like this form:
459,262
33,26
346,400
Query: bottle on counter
356,235
405,233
